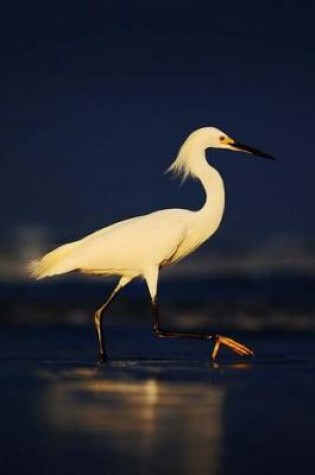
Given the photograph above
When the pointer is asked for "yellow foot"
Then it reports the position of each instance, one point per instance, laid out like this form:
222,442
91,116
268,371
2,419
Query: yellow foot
234,345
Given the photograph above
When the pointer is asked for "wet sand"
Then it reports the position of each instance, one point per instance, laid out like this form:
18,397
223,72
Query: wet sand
157,407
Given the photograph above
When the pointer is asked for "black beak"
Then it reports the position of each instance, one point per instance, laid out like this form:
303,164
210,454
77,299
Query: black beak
254,151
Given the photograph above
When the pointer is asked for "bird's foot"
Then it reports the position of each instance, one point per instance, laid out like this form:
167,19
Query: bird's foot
102,358
238,348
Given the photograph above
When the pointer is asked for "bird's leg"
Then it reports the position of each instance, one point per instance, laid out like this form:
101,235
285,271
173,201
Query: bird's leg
219,339
98,321
170,333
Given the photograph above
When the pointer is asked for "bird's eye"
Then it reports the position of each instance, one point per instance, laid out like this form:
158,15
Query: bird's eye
222,138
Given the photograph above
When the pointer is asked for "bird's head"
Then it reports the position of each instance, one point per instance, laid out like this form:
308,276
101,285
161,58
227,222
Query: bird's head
211,137
191,152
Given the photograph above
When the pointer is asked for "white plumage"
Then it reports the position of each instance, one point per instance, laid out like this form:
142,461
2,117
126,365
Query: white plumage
129,248
141,246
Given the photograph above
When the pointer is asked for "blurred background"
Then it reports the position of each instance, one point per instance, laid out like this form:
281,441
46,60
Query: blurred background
96,100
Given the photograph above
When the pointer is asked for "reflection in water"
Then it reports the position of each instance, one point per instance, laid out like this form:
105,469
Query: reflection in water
148,425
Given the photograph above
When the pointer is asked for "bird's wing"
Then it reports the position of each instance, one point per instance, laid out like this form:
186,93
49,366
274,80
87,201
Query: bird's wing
130,245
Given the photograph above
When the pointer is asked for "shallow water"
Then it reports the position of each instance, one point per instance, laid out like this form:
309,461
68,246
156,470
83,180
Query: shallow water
156,407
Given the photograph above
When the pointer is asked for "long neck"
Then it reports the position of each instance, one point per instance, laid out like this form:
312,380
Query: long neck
212,211
191,160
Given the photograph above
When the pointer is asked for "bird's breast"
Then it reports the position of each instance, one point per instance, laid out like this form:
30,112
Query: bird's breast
199,232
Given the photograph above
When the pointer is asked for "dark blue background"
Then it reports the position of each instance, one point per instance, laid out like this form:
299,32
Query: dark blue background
96,98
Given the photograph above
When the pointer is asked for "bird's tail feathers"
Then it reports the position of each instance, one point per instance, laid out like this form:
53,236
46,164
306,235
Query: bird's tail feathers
35,268
52,263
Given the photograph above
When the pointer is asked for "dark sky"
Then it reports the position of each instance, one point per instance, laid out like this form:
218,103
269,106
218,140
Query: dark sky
97,96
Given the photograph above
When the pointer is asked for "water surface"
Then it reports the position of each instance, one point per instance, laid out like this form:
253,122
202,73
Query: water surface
156,407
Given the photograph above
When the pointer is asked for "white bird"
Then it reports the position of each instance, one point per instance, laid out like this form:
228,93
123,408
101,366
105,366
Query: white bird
143,245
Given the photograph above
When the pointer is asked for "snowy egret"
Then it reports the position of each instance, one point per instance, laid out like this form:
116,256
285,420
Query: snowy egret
141,246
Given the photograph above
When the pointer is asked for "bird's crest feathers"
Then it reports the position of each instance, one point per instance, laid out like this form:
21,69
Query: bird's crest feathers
181,166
